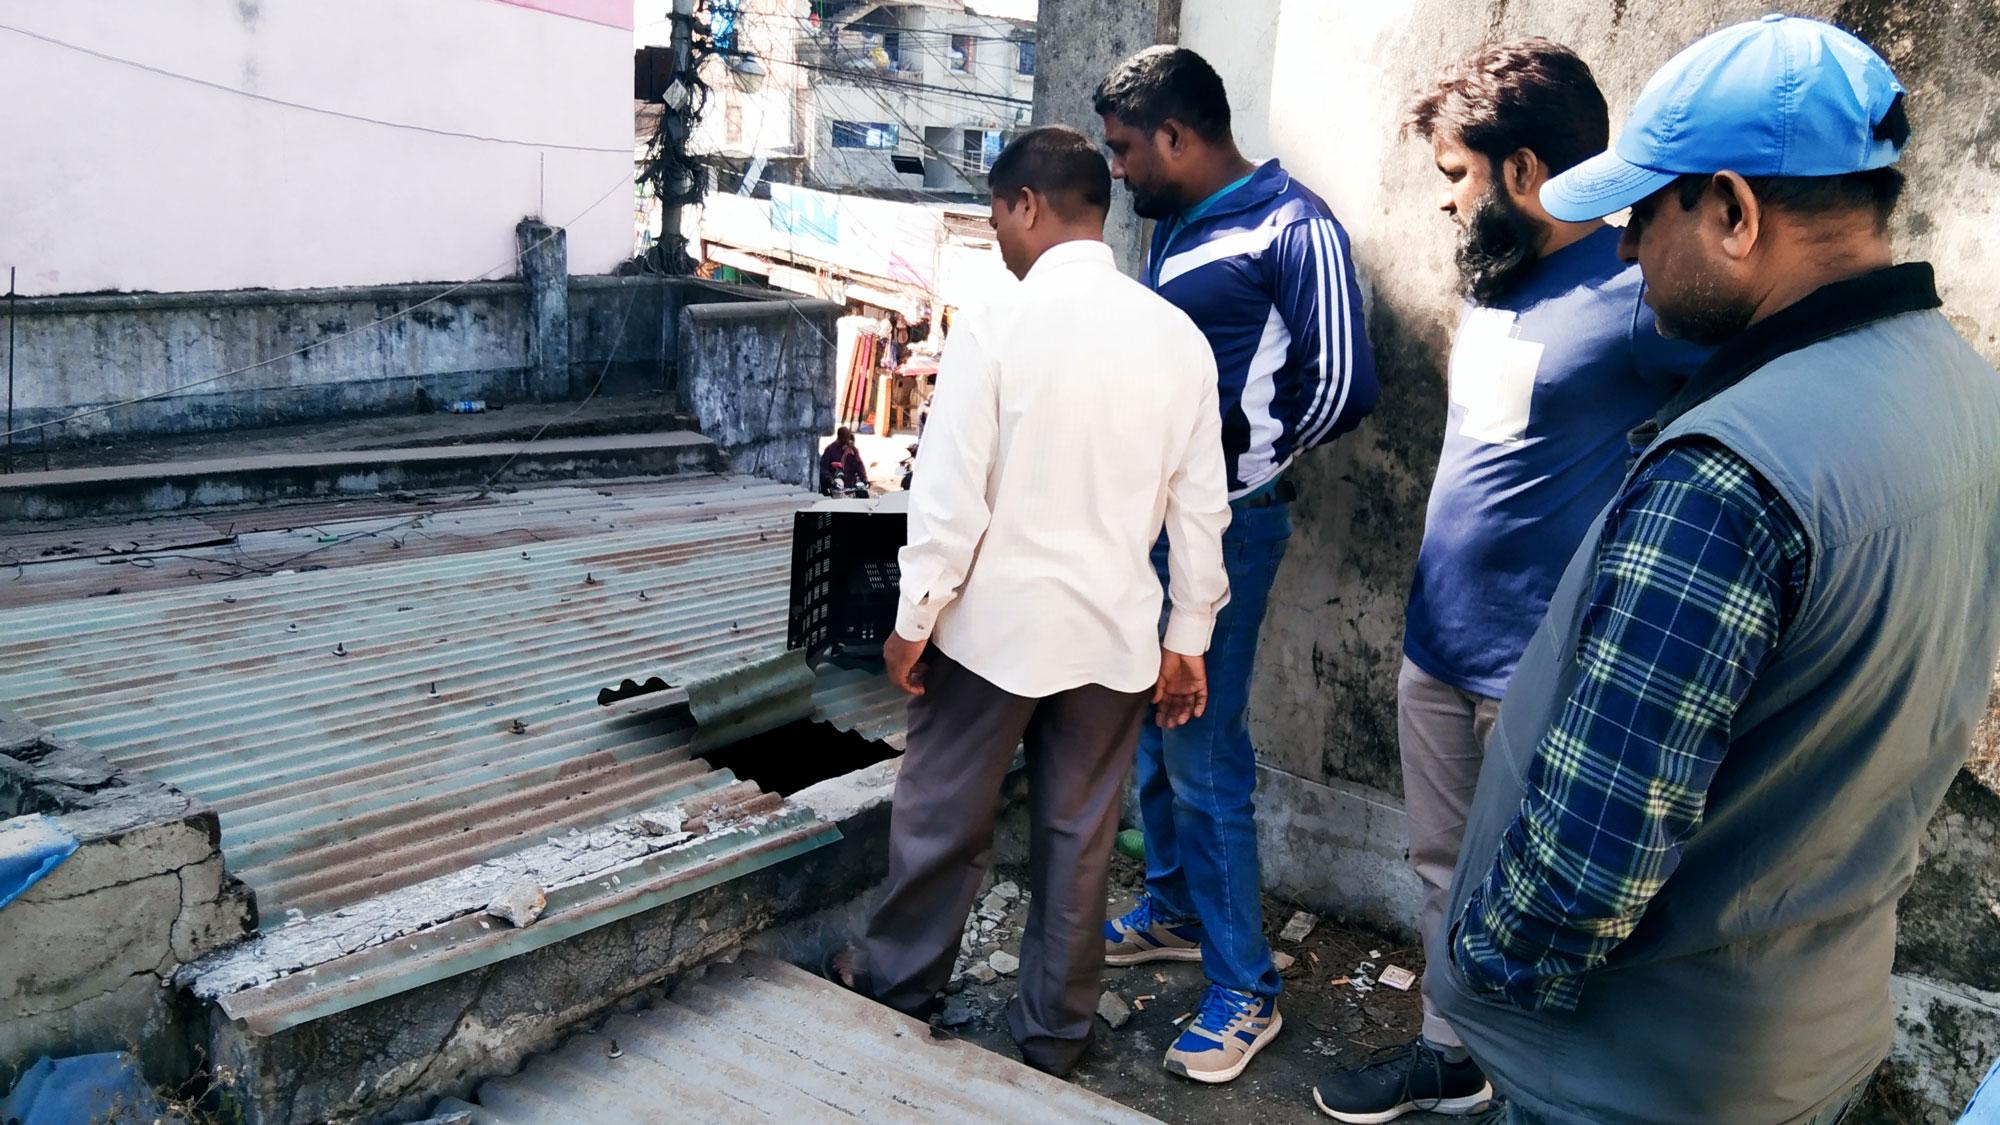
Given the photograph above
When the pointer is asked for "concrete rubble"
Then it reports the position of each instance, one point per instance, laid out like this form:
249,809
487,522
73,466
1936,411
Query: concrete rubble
1113,1009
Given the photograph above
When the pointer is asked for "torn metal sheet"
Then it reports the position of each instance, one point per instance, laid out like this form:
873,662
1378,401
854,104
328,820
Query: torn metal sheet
729,704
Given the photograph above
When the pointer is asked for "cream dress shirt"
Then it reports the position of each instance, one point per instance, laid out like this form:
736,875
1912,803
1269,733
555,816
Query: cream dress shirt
1074,419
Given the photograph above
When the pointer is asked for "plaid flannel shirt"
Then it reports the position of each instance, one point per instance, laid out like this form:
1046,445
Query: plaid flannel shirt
1698,570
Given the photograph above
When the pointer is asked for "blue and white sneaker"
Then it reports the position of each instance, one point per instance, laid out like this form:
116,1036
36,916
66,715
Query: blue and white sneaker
1224,1035
1136,936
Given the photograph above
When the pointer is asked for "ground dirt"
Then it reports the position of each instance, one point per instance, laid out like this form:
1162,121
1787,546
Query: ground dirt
1330,1023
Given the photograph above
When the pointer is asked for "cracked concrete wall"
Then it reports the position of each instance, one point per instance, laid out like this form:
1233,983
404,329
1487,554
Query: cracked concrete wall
87,954
758,375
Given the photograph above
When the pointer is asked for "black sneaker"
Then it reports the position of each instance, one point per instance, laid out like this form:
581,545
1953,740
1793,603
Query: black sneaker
1400,1080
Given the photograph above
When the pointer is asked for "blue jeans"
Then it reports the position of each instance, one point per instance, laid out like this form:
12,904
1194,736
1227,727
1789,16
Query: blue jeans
1195,782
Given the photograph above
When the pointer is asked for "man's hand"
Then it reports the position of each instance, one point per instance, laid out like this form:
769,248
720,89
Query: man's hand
905,661
1182,692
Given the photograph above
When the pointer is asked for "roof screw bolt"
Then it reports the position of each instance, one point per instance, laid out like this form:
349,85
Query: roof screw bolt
519,727
291,628
339,648
642,596
589,579
434,689
229,599
616,1052
524,554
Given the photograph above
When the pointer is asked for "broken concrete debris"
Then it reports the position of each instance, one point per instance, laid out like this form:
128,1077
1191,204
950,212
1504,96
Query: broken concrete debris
1114,1010
983,973
1005,892
1003,962
1299,928
519,905
1283,960
662,822
957,1013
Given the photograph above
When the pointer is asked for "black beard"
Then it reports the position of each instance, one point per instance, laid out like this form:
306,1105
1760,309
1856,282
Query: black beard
1498,246
1703,318
1162,204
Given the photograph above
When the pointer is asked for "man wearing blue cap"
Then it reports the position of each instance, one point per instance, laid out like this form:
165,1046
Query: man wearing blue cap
1705,789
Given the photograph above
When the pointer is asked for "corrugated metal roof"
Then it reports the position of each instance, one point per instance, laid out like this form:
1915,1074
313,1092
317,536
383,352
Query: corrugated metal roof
762,1040
368,727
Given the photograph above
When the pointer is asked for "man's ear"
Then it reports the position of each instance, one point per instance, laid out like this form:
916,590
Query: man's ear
1738,214
1170,137
1029,208
1522,172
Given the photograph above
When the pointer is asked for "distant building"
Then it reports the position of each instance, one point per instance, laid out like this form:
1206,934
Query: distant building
917,94
913,97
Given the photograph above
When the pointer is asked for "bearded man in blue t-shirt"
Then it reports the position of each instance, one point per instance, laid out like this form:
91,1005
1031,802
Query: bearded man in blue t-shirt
1554,362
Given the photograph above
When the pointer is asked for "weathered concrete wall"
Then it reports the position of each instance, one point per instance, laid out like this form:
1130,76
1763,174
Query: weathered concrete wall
494,341
759,378
87,954
77,353
1080,41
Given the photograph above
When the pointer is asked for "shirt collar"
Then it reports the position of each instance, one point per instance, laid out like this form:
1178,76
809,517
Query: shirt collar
1200,209
1070,253
1825,312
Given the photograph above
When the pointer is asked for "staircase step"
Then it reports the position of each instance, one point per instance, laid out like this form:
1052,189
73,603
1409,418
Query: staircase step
175,485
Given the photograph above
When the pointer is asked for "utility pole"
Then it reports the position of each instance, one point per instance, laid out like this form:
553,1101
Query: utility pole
679,95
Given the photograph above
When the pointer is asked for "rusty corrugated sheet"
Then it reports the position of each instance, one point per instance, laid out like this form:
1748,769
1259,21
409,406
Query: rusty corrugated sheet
367,727
761,1040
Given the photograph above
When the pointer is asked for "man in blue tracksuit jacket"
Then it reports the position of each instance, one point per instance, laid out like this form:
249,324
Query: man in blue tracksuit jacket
1260,265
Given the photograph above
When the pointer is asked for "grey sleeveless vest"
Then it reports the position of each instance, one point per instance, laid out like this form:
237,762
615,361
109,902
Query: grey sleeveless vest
1756,987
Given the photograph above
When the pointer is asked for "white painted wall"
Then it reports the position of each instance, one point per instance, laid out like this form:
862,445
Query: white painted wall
116,178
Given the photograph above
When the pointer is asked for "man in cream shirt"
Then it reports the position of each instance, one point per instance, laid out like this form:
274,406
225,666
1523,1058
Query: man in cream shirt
1074,419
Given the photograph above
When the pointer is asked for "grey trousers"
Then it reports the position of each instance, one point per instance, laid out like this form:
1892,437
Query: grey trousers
963,732
1442,734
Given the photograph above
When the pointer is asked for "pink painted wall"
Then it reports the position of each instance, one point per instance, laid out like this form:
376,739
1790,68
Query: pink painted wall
228,144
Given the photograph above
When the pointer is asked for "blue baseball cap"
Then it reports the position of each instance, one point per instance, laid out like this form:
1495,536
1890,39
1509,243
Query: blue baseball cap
1783,96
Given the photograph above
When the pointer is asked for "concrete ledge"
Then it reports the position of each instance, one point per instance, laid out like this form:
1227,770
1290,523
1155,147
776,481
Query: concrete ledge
253,298
1339,850
87,954
133,489
1947,1036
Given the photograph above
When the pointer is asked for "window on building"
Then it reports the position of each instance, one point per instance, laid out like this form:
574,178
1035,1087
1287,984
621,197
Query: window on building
863,134
959,58
1025,64
982,148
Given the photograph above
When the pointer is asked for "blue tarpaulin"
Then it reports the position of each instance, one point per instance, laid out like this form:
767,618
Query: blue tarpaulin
30,847
1985,1107
102,1089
